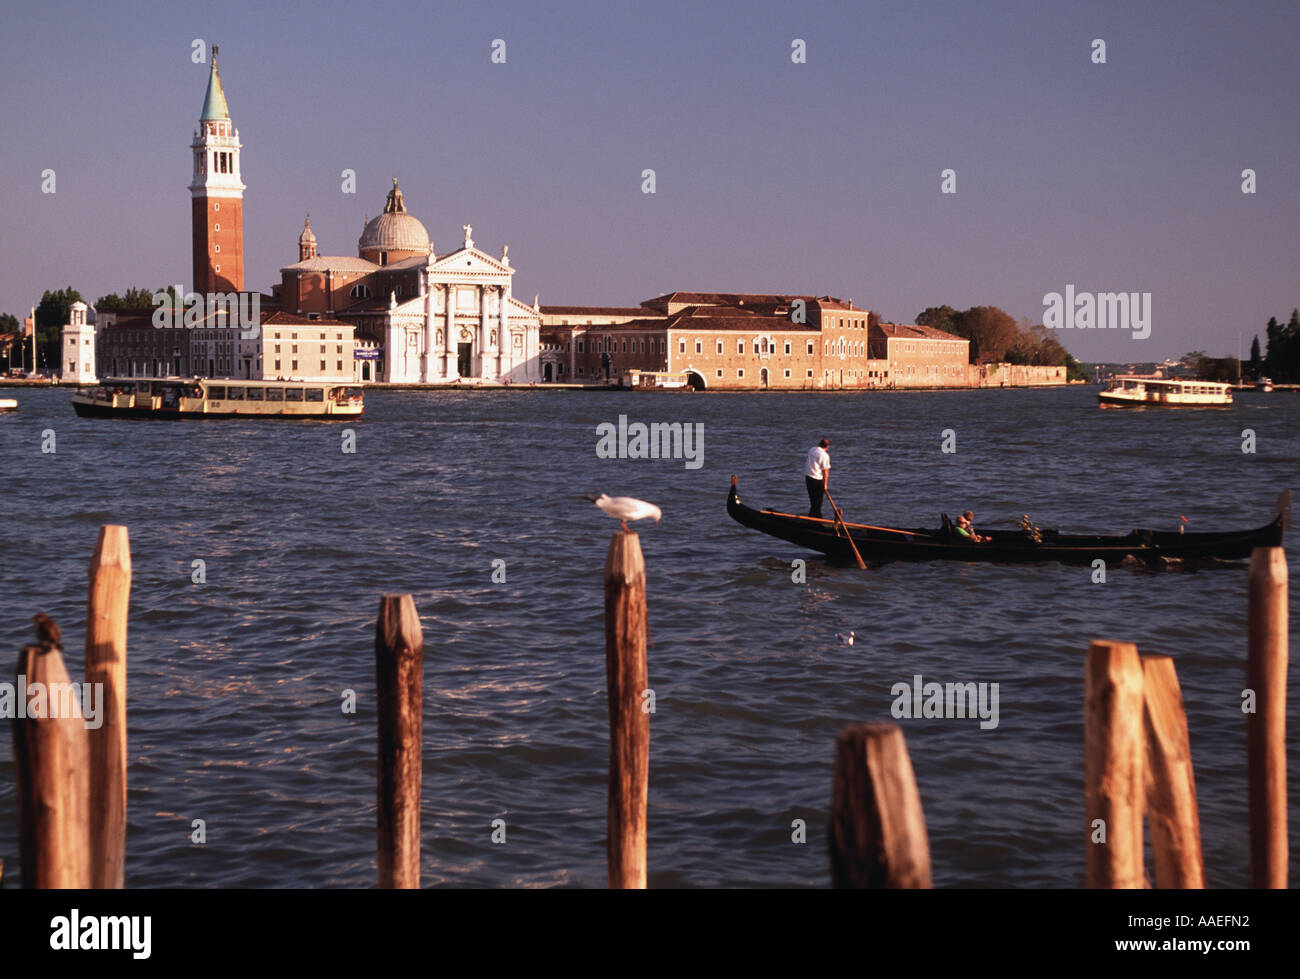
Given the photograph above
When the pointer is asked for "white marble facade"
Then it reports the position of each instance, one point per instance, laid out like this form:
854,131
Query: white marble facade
488,334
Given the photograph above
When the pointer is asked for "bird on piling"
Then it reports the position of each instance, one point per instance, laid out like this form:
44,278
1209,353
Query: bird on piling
625,508
47,630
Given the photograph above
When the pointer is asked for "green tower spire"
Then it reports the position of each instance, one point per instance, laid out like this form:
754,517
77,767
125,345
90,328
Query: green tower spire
214,103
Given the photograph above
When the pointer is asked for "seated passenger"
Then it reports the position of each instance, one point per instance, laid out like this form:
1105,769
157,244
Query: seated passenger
966,528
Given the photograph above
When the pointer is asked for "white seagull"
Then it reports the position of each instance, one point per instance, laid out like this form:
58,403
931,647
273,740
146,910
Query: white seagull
625,508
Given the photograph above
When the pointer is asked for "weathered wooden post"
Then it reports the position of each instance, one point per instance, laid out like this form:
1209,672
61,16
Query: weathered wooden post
52,758
399,676
1170,782
877,827
1114,765
106,614
1266,665
626,679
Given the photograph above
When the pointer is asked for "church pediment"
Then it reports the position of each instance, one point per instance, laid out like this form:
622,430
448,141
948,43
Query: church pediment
470,261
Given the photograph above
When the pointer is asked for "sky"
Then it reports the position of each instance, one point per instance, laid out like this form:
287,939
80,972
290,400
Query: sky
770,176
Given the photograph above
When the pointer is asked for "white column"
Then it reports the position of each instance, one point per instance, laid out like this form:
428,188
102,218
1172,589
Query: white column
450,332
426,361
484,365
503,331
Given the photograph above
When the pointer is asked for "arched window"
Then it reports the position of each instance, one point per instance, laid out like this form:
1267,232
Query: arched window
360,291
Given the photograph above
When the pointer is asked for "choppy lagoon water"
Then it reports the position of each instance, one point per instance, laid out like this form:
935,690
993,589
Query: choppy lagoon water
235,684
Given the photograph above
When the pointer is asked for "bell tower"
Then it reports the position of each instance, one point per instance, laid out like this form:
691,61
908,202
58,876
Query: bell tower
217,195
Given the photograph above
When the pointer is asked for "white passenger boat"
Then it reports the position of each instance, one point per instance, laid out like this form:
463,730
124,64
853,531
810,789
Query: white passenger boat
1264,385
8,404
217,397
1133,390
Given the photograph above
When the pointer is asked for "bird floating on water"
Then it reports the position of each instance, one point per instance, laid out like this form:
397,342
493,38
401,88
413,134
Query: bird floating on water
625,508
846,639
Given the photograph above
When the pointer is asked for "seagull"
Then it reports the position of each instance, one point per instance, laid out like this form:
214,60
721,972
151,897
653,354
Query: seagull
847,640
625,508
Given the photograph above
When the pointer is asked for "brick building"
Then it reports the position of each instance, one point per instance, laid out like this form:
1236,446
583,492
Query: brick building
740,341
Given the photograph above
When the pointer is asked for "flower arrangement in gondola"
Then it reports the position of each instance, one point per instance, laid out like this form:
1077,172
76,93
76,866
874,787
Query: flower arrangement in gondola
1030,529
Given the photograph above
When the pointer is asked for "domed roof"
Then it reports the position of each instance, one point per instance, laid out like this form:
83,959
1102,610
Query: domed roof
394,230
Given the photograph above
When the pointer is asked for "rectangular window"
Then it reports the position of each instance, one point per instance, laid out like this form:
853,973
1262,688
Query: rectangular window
293,365
293,394
810,372
216,393
699,346
787,352
275,394
277,365
787,372
315,394
581,345
719,346
277,348
295,346
340,366
719,372
810,350
255,394
740,346
322,366
740,372
235,394
681,346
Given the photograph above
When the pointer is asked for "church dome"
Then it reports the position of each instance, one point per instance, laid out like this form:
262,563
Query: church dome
392,232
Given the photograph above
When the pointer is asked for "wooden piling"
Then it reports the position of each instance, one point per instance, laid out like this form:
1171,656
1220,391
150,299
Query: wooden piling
399,676
1170,784
1114,765
877,827
52,758
106,616
626,677
1266,666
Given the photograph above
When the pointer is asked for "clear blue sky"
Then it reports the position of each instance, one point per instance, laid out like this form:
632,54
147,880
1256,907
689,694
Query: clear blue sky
771,176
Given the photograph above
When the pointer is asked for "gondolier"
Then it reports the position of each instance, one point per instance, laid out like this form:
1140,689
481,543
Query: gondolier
817,475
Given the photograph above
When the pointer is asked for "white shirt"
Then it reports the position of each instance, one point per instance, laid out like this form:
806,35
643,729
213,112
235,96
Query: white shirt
819,461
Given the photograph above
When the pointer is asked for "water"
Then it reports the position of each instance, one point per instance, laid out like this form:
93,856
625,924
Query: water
236,684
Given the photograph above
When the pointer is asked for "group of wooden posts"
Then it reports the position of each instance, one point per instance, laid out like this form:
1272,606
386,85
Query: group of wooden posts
1137,759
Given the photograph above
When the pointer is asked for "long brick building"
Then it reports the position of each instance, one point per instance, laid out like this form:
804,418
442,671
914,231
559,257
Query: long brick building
745,341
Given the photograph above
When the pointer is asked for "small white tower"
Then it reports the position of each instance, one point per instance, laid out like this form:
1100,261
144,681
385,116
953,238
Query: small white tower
78,346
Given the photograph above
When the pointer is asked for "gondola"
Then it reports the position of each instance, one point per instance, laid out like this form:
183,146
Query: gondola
943,543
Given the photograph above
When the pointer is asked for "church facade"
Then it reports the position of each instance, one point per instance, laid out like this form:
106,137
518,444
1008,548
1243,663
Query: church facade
420,317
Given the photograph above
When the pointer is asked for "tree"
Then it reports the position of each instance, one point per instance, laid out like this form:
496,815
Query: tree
51,316
132,301
1074,370
1255,357
939,317
11,344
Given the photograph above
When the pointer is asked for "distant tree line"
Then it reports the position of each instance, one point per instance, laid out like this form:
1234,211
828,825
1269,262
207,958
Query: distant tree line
1280,359
995,337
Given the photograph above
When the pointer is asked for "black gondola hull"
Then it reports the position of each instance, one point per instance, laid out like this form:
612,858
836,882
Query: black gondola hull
1012,546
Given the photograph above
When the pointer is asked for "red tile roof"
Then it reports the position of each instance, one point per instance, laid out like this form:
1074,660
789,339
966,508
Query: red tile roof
593,310
912,331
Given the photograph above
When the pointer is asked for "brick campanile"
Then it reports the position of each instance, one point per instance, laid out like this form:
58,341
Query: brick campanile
217,195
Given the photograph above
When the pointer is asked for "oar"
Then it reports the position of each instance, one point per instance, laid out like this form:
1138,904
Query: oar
839,517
